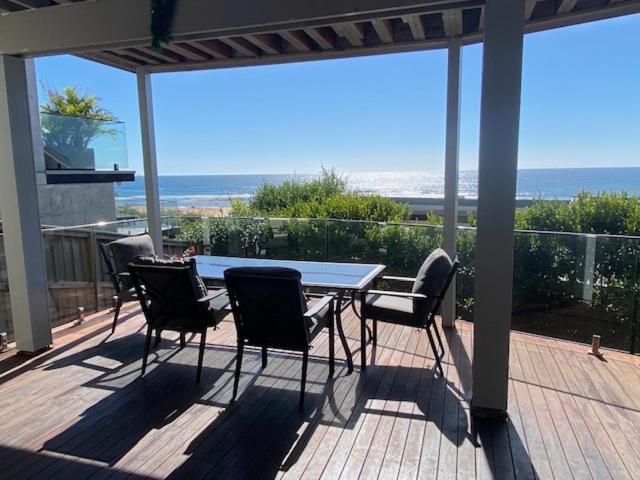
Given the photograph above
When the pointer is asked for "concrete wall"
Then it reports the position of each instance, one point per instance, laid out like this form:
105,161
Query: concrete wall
76,204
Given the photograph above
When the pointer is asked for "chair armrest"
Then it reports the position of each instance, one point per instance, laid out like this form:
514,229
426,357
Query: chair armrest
320,304
122,274
212,296
398,279
417,296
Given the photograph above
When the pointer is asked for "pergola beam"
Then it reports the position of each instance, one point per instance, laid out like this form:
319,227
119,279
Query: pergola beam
417,26
452,21
384,29
106,27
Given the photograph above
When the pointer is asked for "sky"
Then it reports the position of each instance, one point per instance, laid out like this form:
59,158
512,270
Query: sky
580,108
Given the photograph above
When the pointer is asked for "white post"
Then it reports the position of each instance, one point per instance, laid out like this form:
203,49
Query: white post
152,192
19,200
499,129
452,149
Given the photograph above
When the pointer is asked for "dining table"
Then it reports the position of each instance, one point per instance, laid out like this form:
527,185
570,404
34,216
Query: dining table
346,279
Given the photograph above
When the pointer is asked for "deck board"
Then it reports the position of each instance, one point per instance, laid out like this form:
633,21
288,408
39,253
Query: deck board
81,410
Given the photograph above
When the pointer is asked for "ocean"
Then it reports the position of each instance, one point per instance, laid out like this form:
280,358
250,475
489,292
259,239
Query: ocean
217,190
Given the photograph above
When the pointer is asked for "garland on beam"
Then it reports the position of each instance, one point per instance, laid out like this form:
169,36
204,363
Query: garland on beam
161,21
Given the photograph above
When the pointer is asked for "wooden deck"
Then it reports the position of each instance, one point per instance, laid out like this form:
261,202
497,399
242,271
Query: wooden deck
82,410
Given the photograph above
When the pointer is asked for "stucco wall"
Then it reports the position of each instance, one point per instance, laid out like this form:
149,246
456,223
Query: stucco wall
76,204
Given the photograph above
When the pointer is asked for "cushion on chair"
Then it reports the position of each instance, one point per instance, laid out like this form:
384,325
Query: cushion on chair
390,309
126,250
201,288
431,279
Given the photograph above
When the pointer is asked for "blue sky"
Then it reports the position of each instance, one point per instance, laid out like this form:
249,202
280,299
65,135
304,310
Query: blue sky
580,108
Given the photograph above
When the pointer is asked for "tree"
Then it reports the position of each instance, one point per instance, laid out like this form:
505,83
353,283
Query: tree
62,132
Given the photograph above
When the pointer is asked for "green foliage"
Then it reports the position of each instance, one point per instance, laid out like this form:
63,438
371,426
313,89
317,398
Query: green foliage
162,12
602,213
324,197
74,119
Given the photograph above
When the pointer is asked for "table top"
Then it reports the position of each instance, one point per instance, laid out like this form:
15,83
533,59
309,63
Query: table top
349,276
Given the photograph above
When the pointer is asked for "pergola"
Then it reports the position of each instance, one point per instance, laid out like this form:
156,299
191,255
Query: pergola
230,33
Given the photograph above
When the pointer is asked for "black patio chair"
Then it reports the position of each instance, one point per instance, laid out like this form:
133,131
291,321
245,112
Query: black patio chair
416,309
173,297
271,311
116,256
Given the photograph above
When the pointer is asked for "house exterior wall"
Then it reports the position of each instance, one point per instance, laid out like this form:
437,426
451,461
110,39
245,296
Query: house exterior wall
76,204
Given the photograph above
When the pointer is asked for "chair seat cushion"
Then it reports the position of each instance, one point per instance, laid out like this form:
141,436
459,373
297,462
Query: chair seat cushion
390,309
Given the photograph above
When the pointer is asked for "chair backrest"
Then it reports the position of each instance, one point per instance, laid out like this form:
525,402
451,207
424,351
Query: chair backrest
433,280
125,250
268,306
109,266
168,292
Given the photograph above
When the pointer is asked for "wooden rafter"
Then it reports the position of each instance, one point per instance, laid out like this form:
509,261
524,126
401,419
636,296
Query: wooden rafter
353,32
417,26
188,51
325,37
566,6
138,54
242,46
384,29
529,6
267,42
452,21
214,48
298,40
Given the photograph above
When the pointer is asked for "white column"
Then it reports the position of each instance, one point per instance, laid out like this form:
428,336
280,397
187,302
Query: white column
452,150
19,200
499,129
152,192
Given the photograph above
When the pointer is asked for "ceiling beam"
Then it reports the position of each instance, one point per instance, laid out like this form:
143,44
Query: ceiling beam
566,6
140,55
529,6
298,40
106,25
452,21
384,29
214,48
269,43
242,46
417,26
323,36
353,32
188,51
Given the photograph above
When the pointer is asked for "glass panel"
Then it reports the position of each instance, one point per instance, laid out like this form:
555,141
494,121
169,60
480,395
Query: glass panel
83,144
573,286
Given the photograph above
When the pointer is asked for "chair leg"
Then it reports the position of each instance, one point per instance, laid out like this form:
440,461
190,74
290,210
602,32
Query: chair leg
439,338
183,340
158,337
435,352
238,365
264,357
203,340
116,314
147,344
363,343
305,361
332,345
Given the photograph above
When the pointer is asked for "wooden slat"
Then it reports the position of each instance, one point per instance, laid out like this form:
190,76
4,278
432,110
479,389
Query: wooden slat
269,43
188,51
452,21
242,46
417,26
214,48
325,37
384,29
566,6
298,40
353,32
